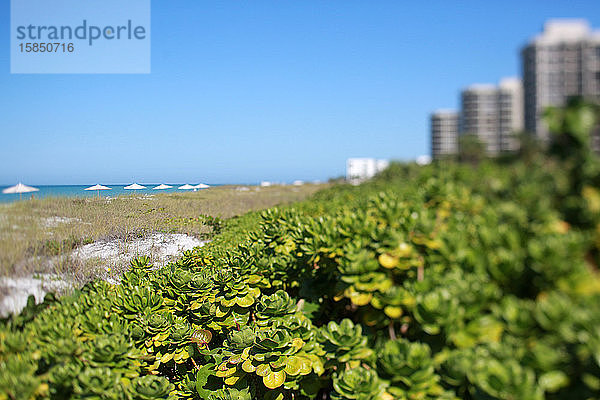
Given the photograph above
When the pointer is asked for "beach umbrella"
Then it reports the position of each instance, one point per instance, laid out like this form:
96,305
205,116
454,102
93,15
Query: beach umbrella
98,188
20,188
201,186
134,186
186,187
162,186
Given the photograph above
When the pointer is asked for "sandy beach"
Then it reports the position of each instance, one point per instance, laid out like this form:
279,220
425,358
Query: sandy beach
115,256
57,244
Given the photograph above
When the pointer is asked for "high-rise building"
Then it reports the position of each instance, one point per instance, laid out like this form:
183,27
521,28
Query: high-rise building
563,61
510,113
444,133
493,113
479,107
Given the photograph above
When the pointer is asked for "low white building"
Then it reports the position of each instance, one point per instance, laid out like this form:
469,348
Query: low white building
423,160
361,169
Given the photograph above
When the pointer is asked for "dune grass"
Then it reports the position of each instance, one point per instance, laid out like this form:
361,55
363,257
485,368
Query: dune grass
38,235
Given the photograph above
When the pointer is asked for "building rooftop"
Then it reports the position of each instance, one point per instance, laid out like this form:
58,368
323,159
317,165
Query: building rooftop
481,87
444,111
510,83
564,31
564,28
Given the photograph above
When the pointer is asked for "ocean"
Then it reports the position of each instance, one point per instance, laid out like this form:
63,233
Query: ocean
78,191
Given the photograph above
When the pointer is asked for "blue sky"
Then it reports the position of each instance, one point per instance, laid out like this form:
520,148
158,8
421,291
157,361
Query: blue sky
263,90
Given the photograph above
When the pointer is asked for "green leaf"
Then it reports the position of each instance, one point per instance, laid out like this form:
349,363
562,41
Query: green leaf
245,301
394,312
248,367
553,381
166,358
252,279
293,365
274,379
263,370
205,372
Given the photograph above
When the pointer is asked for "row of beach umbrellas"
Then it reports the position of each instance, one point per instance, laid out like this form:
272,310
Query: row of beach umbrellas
162,186
20,188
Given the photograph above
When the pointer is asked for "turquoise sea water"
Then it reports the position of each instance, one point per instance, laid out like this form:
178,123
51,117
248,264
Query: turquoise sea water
78,191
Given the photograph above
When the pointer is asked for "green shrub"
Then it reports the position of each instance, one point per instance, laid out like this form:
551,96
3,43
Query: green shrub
436,282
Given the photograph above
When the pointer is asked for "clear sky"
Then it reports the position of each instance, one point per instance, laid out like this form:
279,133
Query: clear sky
244,91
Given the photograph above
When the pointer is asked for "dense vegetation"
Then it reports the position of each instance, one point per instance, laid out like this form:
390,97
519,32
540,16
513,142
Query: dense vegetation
438,282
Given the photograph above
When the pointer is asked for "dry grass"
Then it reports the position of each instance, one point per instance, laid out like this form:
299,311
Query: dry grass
38,235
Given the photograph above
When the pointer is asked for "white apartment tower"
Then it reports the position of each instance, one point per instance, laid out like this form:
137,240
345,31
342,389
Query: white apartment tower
563,61
510,113
493,113
444,133
479,104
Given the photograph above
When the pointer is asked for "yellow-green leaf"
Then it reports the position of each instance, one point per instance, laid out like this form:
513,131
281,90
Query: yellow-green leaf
388,261
297,343
248,367
553,381
166,358
433,244
393,311
254,278
181,356
316,363
404,250
221,312
293,365
228,303
231,380
274,379
225,373
246,353
245,301
360,299
263,370
305,366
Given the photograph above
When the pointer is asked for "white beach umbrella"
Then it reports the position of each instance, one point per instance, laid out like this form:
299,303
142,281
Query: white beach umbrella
201,186
186,187
20,188
98,188
162,186
134,186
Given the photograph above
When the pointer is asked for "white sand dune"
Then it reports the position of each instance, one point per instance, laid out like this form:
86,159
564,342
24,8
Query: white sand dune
15,291
116,254
161,247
